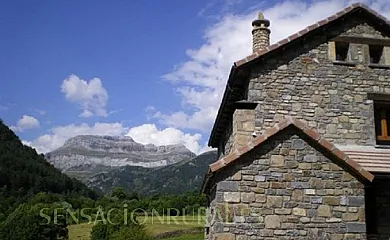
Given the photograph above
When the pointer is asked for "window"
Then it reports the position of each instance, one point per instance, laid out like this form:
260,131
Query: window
376,52
382,122
342,51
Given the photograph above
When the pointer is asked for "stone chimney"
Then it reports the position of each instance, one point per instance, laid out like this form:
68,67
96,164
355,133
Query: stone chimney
260,33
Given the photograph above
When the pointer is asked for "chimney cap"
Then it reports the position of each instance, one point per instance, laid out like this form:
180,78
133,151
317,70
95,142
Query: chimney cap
261,21
260,16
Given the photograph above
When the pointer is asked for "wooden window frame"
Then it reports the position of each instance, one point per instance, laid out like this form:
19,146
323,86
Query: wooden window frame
384,132
381,110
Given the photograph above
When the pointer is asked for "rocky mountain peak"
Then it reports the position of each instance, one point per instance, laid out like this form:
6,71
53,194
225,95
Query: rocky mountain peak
114,151
86,138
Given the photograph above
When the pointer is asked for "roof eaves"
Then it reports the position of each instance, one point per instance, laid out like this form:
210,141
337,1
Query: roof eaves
223,103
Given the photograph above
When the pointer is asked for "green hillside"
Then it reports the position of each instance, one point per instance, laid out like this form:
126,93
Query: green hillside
24,173
173,179
30,186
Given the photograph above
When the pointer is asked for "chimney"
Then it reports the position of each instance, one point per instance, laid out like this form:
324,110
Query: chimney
260,33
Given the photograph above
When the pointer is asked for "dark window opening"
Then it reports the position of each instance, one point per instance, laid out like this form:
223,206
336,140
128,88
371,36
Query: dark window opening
382,123
371,209
376,52
342,51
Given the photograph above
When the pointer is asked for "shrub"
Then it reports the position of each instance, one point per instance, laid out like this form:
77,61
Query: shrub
27,223
117,228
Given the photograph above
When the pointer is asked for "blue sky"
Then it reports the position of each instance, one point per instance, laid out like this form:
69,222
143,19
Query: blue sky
128,45
153,70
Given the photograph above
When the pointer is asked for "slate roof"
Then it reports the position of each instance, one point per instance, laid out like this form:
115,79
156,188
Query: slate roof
339,157
239,74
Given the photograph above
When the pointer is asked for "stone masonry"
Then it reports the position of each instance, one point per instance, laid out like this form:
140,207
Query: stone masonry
260,33
243,127
286,189
306,84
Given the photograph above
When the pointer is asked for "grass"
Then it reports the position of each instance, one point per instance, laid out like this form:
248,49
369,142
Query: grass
198,236
80,231
154,225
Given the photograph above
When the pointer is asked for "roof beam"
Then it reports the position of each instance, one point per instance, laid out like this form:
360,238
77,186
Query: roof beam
362,40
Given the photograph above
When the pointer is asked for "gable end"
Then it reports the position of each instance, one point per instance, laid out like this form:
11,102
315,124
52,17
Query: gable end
309,135
240,71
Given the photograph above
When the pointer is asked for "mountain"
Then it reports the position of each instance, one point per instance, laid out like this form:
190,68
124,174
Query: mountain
86,155
24,173
178,178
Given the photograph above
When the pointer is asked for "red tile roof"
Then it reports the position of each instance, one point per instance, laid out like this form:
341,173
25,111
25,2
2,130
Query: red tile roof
340,157
224,111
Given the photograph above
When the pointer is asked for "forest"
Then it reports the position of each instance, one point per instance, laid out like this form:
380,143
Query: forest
37,201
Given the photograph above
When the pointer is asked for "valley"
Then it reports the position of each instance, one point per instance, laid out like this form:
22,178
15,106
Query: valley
44,201
104,162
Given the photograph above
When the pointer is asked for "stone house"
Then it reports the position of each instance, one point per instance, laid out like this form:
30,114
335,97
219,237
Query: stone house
302,135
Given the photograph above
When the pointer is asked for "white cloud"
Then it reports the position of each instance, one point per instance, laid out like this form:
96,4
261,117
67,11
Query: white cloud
24,123
58,135
200,81
145,134
91,96
150,134
200,120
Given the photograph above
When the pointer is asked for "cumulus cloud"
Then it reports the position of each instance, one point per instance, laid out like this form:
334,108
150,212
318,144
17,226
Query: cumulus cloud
150,134
58,135
200,120
145,134
91,96
200,81
24,123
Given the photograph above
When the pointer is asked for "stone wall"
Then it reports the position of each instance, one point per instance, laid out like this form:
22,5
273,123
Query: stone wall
285,189
239,132
303,82
243,127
